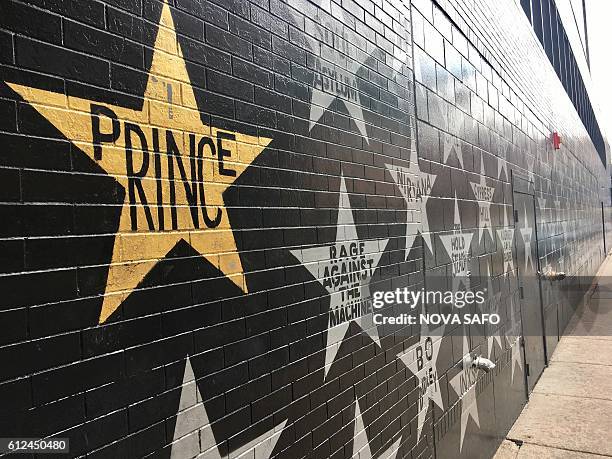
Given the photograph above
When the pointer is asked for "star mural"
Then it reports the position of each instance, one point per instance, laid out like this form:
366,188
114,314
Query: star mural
558,215
457,246
506,237
421,359
345,269
193,416
527,234
464,385
492,304
502,160
361,446
542,202
513,336
484,196
452,144
173,167
415,186
530,169
334,82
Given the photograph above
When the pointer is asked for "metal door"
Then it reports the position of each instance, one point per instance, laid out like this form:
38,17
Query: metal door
530,295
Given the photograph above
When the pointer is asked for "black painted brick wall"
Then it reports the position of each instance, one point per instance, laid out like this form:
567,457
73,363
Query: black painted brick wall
188,341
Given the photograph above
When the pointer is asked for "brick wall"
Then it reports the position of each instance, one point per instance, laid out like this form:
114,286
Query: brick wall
201,197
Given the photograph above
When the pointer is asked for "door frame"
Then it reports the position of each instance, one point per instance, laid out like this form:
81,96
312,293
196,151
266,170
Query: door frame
522,186
603,228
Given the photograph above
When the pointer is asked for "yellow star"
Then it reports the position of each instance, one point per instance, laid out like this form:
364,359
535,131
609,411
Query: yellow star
174,169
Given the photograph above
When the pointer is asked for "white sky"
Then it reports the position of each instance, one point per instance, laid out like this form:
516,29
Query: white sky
599,23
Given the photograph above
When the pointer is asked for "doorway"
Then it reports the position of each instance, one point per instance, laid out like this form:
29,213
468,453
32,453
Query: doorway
526,243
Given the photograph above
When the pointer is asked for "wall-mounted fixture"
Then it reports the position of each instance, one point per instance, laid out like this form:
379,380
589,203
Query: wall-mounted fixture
478,362
483,364
556,140
551,275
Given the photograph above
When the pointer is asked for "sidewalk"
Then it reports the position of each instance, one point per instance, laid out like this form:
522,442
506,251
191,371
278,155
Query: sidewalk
569,414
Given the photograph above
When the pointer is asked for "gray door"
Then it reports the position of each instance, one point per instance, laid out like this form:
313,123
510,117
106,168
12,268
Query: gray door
531,305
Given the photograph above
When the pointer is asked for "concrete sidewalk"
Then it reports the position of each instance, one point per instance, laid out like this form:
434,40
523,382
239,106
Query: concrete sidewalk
569,413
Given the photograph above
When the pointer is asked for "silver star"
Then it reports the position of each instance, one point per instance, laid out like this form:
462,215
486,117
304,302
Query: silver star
333,82
484,196
526,234
457,246
361,446
452,143
502,160
415,187
192,416
345,270
464,385
506,236
421,359
493,303
530,169
513,338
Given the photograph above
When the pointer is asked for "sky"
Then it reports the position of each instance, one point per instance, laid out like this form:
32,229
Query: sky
599,24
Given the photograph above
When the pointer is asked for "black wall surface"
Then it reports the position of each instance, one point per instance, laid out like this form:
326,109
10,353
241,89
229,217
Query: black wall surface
369,145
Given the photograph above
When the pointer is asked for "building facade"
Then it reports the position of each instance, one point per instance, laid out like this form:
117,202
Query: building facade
202,199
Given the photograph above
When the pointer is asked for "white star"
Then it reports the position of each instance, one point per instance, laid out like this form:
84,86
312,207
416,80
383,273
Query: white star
192,416
333,82
464,385
452,143
457,246
484,196
493,302
502,160
421,359
345,270
542,202
513,338
530,169
361,446
322,100
415,187
506,236
526,234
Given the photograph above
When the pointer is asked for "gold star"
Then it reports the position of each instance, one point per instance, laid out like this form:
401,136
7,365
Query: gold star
174,168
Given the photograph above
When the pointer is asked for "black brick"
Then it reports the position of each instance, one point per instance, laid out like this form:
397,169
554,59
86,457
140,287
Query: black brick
23,19
272,100
253,73
288,51
61,382
65,316
257,35
29,357
18,329
11,255
60,61
10,185
134,6
92,41
228,42
228,85
16,395
115,387
6,48
205,10
8,116
125,24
